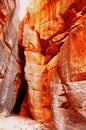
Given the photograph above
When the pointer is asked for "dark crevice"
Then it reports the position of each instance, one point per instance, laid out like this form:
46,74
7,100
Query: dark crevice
23,87
20,97
23,90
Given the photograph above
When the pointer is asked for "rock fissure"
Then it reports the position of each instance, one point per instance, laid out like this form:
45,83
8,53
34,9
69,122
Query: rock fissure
43,64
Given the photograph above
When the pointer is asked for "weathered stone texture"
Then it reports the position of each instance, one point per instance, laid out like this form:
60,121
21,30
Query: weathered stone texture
54,48
44,15
10,70
72,63
52,54
39,100
77,95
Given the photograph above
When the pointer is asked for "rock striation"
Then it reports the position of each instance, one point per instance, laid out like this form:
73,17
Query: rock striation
44,62
60,50
10,69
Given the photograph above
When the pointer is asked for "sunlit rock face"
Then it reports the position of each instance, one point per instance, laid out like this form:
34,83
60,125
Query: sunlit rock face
38,98
72,63
10,71
48,48
44,15
54,49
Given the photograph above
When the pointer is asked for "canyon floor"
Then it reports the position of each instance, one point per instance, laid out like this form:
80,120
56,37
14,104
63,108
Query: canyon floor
18,123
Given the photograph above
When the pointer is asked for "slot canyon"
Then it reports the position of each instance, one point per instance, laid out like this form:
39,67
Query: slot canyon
42,65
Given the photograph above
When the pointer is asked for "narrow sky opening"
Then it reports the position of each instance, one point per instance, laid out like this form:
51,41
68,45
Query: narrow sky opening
23,6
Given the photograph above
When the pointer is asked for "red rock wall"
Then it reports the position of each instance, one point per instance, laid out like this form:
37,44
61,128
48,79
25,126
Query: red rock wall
49,50
60,48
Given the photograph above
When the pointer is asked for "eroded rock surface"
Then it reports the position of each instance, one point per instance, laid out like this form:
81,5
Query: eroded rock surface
72,60
62,53
49,50
10,70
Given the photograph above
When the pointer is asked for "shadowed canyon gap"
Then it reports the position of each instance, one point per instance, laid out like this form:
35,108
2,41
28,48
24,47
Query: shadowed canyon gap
43,62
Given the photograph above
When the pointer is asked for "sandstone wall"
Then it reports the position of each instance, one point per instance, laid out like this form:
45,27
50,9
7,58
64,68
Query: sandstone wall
10,70
59,48
47,50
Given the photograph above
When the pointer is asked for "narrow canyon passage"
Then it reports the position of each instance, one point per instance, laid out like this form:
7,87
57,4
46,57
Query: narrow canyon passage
42,64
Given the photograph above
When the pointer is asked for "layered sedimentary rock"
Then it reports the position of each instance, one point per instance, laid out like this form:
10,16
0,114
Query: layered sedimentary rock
72,61
36,75
60,50
49,50
10,70
44,15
